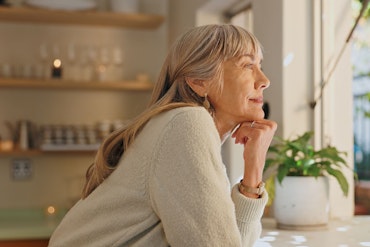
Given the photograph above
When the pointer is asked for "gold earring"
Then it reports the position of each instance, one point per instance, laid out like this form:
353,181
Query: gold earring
206,103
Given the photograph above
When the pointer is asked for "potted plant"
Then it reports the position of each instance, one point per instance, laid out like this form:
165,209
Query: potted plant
301,197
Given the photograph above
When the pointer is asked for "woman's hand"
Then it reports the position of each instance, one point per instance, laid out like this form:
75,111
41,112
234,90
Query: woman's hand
256,137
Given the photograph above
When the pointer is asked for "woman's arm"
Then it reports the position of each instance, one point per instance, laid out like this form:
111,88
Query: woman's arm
190,190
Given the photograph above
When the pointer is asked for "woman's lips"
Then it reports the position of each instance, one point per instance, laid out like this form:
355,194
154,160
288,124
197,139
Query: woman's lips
258,100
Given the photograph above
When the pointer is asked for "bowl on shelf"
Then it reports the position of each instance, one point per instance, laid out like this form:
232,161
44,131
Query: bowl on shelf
62,5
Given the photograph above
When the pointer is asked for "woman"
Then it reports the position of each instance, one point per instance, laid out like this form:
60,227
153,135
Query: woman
161,181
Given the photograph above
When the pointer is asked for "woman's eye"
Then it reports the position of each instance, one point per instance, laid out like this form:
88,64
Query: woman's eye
249,66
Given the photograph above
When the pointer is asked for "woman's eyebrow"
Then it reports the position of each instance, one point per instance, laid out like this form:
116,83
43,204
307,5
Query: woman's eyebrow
247,55
250,56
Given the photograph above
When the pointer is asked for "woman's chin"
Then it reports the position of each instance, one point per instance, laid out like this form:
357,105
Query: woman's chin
257,116
252,118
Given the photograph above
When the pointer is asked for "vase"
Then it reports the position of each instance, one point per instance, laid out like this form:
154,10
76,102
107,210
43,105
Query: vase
301,203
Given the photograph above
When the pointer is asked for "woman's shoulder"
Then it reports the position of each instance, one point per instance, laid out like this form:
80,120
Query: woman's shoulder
187,117
188,120
185,112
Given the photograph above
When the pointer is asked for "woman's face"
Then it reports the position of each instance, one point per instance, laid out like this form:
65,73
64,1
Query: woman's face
242,96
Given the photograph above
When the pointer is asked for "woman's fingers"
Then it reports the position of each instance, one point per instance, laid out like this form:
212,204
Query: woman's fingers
256,137
255,129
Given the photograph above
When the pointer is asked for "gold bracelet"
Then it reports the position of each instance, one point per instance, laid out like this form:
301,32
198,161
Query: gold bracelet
246,189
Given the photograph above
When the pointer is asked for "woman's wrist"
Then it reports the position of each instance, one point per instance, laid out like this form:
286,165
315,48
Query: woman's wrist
252,191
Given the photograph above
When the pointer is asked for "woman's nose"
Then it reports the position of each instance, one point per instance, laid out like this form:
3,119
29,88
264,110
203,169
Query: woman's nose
262,81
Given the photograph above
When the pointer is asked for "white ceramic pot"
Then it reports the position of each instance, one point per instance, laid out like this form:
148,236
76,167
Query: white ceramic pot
301,203
125,6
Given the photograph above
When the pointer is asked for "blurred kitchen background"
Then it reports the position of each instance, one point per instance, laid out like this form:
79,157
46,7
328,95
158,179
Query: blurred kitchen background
72,71
67,120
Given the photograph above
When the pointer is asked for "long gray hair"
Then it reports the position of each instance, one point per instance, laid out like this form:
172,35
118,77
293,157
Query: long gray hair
198,54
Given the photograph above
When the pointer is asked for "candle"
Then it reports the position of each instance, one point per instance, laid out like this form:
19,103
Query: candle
51,214
56,71
50,210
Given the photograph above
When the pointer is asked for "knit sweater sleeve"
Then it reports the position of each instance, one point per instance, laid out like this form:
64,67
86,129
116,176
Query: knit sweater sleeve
249,212
190,191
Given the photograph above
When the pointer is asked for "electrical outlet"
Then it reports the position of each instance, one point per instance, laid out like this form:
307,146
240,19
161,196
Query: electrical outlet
21,169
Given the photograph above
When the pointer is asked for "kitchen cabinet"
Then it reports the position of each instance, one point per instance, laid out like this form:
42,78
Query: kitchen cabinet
87,18
57,176
139,21
34,84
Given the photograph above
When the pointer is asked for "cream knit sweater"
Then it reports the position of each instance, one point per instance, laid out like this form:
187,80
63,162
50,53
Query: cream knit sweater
170,189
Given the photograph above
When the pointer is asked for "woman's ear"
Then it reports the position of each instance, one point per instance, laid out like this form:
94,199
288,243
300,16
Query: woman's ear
200,87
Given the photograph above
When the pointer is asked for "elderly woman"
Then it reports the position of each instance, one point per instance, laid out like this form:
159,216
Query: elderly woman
160,180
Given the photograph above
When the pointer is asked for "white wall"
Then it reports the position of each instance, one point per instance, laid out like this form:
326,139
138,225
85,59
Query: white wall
182,16
337,107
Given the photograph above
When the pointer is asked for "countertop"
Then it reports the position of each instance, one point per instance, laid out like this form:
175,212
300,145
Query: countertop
339,233
21,224
27,224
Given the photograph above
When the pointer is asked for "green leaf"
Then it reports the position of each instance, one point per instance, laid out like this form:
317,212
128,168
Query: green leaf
340,178
282,172
297,157
314,171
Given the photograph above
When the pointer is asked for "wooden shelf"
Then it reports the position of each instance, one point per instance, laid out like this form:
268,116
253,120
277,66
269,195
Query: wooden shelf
88,18
36,152
63,84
